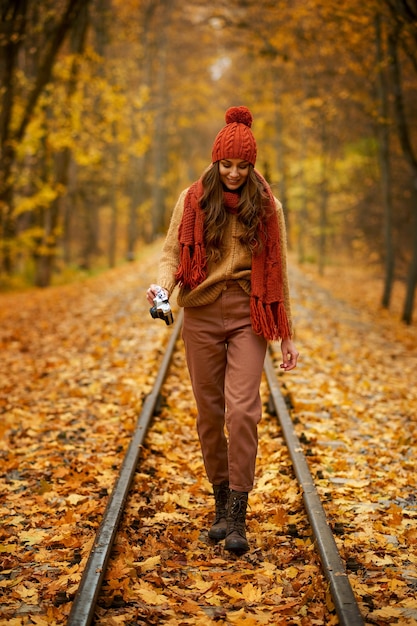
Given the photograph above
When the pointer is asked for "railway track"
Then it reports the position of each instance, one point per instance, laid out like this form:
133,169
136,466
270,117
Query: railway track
85,602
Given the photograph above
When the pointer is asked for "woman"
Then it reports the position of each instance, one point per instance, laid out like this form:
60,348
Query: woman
226,249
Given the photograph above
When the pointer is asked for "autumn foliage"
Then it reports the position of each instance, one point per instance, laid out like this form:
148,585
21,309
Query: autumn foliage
109,109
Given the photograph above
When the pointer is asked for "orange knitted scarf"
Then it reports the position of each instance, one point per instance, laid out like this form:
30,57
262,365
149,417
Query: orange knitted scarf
267,310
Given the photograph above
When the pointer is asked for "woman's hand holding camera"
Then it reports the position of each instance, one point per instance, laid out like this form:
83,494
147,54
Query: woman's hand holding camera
153,291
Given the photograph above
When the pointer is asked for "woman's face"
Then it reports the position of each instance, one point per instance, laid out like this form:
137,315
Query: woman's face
233,173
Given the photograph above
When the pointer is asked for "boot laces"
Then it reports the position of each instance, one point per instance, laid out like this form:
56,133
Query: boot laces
238,513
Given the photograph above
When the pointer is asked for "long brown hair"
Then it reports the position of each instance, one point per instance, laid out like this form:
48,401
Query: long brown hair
252,209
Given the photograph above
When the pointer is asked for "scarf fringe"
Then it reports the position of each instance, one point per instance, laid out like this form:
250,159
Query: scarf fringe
269,320
183,273
192,269
198,270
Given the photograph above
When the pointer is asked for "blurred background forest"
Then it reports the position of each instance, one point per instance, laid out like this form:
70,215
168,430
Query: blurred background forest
109,108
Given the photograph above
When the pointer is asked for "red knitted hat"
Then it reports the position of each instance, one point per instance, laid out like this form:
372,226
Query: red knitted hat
235,140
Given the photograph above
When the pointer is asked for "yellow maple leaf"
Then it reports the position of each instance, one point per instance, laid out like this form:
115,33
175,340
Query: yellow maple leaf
251,594
163,517
32,537
182,499
202,585
214,600
291,572
232,593
387,612
149,564
28,592
395,583
270,567
278,591
149,596
240,617
281,516
75,498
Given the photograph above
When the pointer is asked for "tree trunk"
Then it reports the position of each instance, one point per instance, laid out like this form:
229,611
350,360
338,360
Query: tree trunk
281,164
407,315
113,228
139,163
160,127
62,160
112,250
407,148
90,225
13,28
323,224
303,211
384,165
68,213
323,197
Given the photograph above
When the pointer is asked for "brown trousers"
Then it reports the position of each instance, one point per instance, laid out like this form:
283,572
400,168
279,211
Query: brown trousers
225,360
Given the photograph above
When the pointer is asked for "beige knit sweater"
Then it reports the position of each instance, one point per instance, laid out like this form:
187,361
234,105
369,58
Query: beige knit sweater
235,264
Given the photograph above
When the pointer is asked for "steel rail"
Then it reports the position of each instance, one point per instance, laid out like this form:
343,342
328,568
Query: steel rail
344,600
82,610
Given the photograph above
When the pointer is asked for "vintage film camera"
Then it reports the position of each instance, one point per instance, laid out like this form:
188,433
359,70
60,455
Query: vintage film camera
161,308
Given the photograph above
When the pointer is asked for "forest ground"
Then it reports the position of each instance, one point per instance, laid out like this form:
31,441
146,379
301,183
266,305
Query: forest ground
76,364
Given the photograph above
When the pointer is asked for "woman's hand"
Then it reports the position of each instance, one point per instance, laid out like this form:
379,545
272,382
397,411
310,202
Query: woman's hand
152,291
289,355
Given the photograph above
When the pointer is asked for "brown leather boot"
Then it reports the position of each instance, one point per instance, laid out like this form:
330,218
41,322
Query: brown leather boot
236,523
221,497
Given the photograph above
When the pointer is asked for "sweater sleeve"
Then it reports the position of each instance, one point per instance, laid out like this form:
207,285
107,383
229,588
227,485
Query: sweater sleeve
286,289
169,260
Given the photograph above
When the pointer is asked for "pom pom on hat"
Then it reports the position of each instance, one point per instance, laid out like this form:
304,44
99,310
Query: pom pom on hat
235,140
241,115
